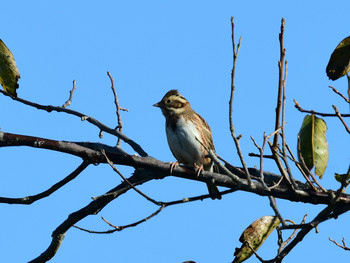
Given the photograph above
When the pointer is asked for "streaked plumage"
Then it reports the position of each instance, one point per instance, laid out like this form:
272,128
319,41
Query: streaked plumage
183,126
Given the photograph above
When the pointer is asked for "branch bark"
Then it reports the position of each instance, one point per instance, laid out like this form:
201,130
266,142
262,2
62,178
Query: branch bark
91,153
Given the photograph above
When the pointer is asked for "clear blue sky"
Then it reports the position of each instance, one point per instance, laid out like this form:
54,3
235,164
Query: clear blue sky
151,47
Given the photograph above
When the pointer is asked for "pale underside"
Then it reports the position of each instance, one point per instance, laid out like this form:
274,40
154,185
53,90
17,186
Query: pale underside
184,145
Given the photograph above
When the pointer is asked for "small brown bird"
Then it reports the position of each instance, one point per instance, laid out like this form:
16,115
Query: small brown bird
184,127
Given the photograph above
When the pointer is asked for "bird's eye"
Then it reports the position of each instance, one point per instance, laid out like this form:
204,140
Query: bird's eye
168,101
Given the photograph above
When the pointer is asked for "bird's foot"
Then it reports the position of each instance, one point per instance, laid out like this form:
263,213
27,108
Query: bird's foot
199,169
172,166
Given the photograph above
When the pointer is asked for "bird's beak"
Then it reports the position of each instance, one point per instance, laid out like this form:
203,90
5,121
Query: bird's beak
159,104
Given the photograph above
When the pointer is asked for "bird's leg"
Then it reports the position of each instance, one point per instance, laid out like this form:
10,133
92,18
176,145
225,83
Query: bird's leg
173,165
200,168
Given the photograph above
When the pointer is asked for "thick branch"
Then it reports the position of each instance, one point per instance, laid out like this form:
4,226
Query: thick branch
161,169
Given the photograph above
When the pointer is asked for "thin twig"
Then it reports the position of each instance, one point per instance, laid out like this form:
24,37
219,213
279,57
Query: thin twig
279,165
266,156
284,150
280,83
255,253
297,105
340,94
127,181
273,203
32,198
232,128
341,118
283,244
162,206
120,228
305,168
342,246
118,108
277,184
216,160
300,169
69,101
83,117
324,215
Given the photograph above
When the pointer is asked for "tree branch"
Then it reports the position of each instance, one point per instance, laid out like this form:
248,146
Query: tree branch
69,101
161,169
100,125
280,83
31,199
118,108
341,118
297,105
232,128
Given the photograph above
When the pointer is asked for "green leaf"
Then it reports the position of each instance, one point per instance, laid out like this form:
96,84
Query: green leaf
344,179
341,177
9,74
313,146
339,63
255,235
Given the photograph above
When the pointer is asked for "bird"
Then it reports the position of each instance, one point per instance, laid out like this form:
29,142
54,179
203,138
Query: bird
185,131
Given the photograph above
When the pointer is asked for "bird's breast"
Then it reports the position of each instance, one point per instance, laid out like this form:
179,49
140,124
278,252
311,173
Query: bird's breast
182,142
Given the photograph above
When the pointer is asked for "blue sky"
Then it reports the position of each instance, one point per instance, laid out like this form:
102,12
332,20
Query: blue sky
150,47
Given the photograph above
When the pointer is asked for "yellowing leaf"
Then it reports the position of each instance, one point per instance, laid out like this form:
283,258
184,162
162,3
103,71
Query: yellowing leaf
313,144
339,63
9,74
255,235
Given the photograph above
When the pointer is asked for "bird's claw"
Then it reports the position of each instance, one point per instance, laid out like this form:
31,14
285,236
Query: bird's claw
172,166
200,169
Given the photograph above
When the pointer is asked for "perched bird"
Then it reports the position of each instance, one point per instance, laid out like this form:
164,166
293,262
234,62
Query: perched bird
184,127
9,74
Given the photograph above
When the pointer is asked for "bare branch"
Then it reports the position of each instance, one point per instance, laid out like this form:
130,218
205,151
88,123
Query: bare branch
283,244
306,169
340,94
69,101
341,118
297,105
118,108
284,150
120,228
272,200
232,128
300,169
91,152
325,214
127,181
279,165
100,125
342,246
280,83
255,253
32,198
94,207
215,159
